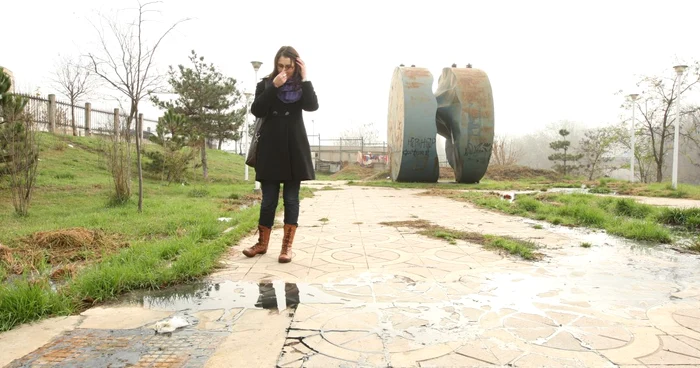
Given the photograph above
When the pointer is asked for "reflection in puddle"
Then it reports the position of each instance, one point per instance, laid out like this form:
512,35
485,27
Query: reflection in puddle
275,295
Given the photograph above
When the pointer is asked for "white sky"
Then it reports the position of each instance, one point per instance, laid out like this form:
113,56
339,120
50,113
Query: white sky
547,60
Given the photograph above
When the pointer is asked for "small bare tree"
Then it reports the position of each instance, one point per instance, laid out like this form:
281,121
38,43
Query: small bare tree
74,80
504,152
129,68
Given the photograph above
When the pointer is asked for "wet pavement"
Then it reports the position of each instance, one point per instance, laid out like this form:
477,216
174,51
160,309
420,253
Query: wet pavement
359,294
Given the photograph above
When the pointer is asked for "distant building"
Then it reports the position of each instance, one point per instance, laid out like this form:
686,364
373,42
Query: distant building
12,78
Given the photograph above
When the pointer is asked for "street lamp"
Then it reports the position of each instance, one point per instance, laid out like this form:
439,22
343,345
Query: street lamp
256,67
632,97
248,95
680,69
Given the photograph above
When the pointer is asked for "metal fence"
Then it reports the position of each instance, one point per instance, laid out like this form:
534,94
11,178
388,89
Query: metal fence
331,154
38,109
57,116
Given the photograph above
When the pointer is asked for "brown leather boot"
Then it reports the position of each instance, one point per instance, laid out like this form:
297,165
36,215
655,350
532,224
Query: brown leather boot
287,240
261,246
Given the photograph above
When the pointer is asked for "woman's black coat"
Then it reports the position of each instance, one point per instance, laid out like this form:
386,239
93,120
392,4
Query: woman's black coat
283,148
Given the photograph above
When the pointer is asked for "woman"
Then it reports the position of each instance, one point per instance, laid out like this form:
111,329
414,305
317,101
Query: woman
284,155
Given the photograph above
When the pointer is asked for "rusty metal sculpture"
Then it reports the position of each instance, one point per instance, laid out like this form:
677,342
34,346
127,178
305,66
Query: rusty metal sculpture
465,117
461,111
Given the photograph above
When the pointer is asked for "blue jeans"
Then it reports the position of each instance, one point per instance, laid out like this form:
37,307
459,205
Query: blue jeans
270,198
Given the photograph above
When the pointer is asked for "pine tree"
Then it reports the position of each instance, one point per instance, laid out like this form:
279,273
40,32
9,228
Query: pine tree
207,99
565,157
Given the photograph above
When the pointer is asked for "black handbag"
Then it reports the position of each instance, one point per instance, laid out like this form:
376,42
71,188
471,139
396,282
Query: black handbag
252,157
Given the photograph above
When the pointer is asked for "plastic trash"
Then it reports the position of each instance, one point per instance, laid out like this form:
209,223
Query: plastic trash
170,325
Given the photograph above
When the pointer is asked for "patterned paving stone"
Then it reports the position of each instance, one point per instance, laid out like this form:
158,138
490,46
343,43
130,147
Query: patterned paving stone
124,348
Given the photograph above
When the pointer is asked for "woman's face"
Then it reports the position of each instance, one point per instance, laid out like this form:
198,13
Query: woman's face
287,65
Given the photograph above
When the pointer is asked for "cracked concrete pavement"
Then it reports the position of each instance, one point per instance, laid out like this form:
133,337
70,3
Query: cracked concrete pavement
359,294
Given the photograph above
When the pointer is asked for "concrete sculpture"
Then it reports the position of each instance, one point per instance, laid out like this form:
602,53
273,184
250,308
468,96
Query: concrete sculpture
461,111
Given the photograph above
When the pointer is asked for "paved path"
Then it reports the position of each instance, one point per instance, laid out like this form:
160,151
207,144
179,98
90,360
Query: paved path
359,294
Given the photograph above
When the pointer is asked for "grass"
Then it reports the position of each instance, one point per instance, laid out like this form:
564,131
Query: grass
327,187
618,216
687,218
586,245
651,189
177,237
695,245
513,246
529,181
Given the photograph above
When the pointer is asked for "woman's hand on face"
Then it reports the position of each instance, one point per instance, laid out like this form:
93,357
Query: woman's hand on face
302,68
280,79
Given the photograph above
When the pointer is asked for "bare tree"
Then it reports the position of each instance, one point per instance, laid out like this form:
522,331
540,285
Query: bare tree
74,80
366,132
504,152
657,110
129,68
598,148
690,148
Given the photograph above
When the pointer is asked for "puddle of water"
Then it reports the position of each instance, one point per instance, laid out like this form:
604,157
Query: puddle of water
275,295
568,190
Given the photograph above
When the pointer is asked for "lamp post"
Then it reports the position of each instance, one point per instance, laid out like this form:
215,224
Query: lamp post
680,69
632,97
256,67
248,95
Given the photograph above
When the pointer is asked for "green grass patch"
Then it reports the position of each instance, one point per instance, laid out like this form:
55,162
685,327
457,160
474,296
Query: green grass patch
198,193
521,248
645,230
586,245
688,218
24,300
619,216
651,189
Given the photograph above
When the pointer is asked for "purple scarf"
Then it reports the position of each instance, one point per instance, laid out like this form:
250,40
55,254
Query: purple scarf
290,91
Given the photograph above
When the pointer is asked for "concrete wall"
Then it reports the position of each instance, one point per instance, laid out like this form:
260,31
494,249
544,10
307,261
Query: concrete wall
343,153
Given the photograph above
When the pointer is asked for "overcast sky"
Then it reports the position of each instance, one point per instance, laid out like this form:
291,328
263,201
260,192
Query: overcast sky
547,60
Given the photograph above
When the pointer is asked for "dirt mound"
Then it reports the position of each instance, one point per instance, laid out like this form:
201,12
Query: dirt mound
64,239
447,173
509,173
354,172
59,247
379,175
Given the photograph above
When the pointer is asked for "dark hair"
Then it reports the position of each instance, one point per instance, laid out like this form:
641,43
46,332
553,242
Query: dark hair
285,51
